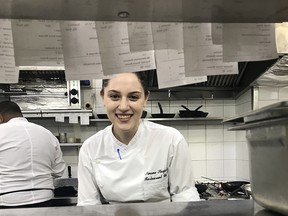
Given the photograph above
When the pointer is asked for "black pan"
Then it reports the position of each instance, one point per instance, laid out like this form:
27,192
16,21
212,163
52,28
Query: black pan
201,188
102,116
192,113
161,114
233,185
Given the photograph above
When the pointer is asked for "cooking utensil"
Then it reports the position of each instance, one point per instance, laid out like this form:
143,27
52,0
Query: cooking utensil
233,186
144,114
162,115
201,188
247,189
230,186
192,113
69,172
102,116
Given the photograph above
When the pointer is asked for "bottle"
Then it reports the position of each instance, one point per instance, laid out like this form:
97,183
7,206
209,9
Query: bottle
63,137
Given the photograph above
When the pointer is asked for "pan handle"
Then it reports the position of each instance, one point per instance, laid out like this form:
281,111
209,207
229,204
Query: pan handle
198,108
160,107
186,108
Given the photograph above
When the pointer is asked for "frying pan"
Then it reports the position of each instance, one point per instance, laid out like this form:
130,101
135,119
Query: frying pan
230,186
102,116
162,115
192,113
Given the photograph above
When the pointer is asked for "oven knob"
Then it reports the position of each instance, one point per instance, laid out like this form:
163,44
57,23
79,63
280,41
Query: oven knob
74,100
73,91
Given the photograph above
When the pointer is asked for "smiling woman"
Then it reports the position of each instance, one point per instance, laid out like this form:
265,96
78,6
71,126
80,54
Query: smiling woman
133,160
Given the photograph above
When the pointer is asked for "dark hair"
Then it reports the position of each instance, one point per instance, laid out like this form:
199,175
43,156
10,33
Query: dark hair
142,77
9,107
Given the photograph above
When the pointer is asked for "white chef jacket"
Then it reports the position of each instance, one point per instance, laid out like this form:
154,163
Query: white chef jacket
30,157
156,158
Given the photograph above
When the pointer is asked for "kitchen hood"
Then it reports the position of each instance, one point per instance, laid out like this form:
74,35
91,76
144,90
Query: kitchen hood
275,76
217,86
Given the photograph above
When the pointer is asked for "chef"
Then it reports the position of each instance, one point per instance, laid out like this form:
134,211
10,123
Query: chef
133,160
30,157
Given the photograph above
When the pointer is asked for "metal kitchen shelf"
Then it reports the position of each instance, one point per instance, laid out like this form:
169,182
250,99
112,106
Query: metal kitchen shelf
169,119
53,113
71,144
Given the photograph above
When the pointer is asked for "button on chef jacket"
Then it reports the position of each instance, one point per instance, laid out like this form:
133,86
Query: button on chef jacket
154,166
28,162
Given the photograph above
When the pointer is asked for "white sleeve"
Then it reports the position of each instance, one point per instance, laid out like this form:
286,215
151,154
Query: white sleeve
87,187
181,179
59,164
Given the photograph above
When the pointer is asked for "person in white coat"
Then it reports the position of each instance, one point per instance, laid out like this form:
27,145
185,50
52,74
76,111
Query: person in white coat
133,159
30,158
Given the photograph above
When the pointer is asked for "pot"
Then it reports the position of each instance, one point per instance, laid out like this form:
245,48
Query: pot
162,115
192,113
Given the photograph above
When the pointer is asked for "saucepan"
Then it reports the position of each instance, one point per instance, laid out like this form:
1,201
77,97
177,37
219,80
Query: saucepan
192,113
161,114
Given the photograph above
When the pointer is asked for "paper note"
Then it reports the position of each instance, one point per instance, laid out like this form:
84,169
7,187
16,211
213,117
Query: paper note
217,35
84,118
201,56
167,35
140,36
249,42
59,117
37,43
281,31
115,51
81,50
73,118
171,70
8,71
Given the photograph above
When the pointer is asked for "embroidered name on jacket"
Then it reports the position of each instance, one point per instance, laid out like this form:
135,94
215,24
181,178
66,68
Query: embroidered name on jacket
154,175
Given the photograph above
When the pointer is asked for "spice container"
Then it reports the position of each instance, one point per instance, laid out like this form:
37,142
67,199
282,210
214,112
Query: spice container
63,137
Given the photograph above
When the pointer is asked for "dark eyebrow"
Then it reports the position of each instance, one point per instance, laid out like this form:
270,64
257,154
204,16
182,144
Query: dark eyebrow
135,92
113,91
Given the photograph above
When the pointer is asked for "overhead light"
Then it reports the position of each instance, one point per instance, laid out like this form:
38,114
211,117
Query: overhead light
123,14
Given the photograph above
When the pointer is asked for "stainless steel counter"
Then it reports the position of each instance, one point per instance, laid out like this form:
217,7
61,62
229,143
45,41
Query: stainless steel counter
202,208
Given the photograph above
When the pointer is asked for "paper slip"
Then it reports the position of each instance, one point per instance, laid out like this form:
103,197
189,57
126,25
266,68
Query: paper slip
201,56
115,51
81,50
171,71
249,42
37,43
8,72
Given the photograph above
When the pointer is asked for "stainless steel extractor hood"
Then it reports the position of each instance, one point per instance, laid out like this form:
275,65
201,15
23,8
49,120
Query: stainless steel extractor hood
233,11
217,86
